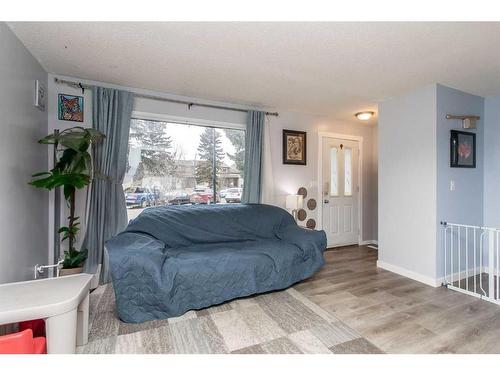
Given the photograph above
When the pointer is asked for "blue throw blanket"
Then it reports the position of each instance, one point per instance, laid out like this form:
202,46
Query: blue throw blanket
172,259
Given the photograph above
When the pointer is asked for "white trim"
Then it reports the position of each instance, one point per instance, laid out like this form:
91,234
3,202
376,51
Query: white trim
342,244
369,242
319,181
186,120
460,275
486,269
95,280
470,272
407,273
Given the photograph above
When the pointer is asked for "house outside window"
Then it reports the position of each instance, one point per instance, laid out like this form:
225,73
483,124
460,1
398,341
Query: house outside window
177,164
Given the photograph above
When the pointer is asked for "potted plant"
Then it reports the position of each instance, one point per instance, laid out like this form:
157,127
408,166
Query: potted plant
73,170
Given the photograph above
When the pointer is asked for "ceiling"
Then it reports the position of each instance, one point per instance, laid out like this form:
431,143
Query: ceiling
332,69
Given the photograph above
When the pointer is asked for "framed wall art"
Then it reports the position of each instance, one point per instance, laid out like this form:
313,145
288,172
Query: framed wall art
462,149
294,147
70,108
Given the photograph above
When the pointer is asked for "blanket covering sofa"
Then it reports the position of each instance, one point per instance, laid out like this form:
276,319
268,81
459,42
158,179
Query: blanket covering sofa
172,259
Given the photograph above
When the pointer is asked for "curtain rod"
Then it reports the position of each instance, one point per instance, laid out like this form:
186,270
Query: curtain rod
79,85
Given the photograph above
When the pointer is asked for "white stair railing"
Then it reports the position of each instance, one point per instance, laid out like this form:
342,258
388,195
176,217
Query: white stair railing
472,261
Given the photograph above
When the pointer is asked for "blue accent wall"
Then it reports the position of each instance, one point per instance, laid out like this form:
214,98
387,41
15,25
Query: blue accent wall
492,162
464,205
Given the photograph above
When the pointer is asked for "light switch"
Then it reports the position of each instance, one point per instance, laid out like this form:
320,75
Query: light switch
452,185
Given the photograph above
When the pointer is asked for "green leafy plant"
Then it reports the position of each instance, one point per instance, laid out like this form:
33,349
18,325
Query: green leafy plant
73,170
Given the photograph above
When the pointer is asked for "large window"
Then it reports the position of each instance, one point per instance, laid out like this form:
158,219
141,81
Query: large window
175,164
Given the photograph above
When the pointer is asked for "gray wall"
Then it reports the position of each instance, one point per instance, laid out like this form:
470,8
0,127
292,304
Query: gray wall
407,184
415,175
23,223
287,178
492,162
464,205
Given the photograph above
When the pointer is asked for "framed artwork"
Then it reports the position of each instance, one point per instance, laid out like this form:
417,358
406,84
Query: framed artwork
462,149
70,108
294,147
40,95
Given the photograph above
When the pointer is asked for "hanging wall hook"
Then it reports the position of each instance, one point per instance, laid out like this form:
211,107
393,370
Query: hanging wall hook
81,86
190,105
468,121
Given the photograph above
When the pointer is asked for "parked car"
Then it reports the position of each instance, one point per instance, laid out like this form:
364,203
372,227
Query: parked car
203,196
222,193
181,198
233,195
139,196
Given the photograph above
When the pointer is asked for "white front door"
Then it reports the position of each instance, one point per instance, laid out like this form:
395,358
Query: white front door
340,191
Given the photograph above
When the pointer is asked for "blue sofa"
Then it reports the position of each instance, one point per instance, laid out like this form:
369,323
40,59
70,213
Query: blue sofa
172,259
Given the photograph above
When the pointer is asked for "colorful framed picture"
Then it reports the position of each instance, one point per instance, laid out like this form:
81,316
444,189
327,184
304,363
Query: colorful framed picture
462,149
70,108
294,147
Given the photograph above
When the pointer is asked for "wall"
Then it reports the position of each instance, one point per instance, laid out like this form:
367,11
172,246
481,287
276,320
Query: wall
415,175
407,184
287,178
140,105
492,162
464,204
23,226
55,123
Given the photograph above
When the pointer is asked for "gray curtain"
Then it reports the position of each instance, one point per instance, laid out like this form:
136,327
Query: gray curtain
252,173
107,212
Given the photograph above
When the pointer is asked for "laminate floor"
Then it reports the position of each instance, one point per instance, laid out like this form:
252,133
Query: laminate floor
349,306
397,314
282,322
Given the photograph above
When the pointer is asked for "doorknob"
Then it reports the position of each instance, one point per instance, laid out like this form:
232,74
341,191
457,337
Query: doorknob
326,201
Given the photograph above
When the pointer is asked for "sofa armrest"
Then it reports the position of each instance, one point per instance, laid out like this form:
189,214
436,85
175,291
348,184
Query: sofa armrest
303,238
130,252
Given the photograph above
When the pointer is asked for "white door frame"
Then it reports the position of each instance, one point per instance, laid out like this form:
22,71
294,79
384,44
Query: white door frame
347,137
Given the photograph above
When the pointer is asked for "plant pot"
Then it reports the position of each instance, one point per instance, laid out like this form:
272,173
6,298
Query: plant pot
70,271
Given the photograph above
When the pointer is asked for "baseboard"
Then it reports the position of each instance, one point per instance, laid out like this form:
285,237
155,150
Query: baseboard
486,269
407,273
429,280
464,273
458,275
368,242
95,280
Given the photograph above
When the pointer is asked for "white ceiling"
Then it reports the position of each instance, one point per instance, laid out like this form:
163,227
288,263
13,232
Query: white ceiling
334,69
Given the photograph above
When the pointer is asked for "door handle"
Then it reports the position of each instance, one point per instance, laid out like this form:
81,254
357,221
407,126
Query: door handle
326,201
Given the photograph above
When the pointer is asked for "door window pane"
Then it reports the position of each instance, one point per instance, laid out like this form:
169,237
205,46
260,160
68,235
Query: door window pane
348,171
334,178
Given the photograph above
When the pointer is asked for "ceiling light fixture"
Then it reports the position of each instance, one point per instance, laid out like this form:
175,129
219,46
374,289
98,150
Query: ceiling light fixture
364,116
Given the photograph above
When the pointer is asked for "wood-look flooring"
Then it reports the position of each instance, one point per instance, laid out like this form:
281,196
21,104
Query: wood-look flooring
397,314
280,322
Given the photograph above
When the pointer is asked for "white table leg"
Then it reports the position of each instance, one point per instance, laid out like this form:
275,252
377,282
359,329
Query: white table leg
82,324
61,333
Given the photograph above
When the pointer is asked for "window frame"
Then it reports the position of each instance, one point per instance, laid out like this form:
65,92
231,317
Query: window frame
139,115
149,116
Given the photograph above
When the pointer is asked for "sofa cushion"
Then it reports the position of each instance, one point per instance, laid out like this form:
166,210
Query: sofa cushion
178,226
